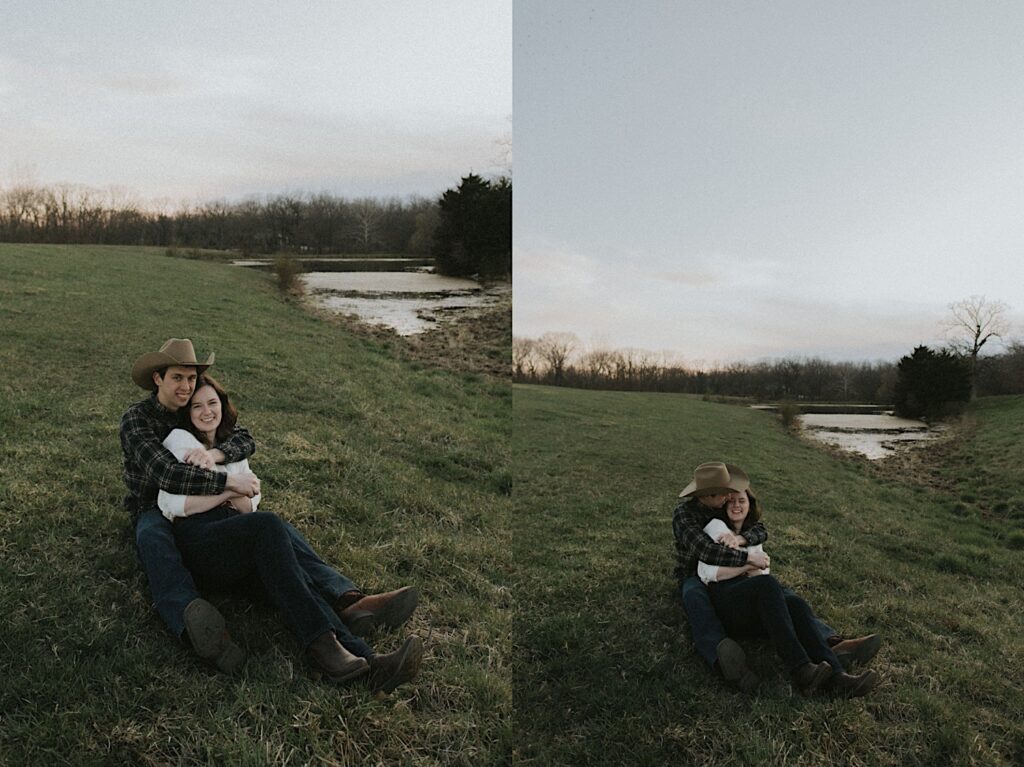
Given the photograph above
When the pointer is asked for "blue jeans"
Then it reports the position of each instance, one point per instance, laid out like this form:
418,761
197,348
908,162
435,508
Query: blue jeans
759,605
705,625
223,548
171,584
325,578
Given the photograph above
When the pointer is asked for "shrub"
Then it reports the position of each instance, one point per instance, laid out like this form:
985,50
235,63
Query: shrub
789,414
288,271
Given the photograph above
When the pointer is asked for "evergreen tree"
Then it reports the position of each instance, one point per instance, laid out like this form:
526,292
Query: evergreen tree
474,235
931,384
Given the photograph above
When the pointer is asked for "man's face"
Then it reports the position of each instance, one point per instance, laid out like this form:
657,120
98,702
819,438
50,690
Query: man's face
175,387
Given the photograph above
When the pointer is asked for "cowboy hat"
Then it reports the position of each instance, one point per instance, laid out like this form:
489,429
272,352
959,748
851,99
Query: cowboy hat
176,351
716,478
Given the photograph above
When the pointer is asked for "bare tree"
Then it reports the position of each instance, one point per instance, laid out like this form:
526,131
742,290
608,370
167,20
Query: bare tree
555,349
972,322
367,216
524,358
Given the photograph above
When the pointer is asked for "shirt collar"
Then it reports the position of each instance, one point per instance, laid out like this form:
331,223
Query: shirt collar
158,407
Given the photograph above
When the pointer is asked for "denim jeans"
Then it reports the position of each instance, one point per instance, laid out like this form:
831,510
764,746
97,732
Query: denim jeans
758,605
223,548
170,583
325,578
705,626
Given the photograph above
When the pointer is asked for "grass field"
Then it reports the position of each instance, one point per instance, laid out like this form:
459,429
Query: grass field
397,472
928,555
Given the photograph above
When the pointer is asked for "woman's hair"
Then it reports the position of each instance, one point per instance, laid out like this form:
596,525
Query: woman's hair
228,414
753,516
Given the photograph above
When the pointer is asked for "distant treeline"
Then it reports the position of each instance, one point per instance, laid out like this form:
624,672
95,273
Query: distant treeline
298,223
557,359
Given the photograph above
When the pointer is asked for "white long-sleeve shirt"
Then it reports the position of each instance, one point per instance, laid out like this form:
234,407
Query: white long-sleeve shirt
180,442
714,528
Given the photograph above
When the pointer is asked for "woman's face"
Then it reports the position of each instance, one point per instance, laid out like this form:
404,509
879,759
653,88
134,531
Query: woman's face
737,509
205,409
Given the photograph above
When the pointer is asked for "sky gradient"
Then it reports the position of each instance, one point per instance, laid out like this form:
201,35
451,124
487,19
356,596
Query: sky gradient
197,101
737,181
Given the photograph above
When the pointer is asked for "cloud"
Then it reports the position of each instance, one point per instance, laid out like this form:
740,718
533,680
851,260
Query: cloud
719,309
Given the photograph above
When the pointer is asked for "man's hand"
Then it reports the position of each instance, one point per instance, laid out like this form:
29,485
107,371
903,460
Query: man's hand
759,559
201,457
732,541
246,483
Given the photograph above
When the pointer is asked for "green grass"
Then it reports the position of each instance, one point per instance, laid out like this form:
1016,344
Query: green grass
397,474
606,673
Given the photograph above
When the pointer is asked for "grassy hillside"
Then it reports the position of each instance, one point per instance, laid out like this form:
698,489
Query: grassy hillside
605,671
396,472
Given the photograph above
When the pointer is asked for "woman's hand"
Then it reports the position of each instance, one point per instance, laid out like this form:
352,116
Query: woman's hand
200,456
246,483
732,540
240,503
759,559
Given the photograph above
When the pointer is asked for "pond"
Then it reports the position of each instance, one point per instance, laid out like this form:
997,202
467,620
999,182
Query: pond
401,293
409,302
874,436
869,430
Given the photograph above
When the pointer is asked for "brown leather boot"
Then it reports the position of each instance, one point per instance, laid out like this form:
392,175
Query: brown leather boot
851,686
334,660
810,676
395,668
390,609
208,633
857,651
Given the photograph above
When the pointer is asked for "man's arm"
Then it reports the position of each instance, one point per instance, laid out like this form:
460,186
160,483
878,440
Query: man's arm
238,446
755,534
143,447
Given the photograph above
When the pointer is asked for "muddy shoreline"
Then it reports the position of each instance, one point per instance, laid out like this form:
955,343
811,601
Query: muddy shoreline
464,339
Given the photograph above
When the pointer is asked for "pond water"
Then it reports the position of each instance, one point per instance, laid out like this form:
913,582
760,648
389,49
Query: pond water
875,435
409,302
398,292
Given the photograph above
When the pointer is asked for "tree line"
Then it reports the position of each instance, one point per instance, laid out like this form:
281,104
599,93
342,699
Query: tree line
559,359
299,223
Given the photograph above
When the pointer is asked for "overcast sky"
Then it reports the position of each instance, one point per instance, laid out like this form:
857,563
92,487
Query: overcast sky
200,100
737,180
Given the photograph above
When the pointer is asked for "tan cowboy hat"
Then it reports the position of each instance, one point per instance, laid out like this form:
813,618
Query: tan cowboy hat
176,351
716,478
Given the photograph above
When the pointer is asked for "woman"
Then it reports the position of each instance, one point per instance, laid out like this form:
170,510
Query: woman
749,600
225,541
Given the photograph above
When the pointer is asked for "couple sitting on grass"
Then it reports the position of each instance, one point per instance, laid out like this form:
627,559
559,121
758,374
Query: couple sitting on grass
726,587
193,502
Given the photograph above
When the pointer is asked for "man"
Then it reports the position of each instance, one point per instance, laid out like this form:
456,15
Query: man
702,498
171,374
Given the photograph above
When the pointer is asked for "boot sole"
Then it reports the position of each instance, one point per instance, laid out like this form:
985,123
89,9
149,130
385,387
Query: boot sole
207,631
732,661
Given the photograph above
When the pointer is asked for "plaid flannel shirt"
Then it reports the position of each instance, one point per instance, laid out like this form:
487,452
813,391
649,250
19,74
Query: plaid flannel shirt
694,545
150,467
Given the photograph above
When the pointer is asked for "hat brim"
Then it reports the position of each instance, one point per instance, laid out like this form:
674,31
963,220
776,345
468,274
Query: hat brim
691,489
147,364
